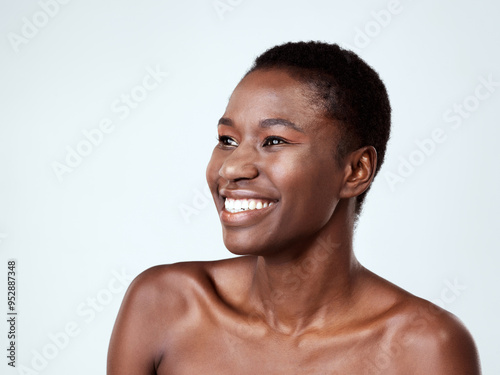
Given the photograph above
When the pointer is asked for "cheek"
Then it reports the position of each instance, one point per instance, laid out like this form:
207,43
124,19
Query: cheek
304,171
308,185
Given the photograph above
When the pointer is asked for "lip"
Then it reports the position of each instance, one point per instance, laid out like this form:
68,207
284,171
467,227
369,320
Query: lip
248,217
245,218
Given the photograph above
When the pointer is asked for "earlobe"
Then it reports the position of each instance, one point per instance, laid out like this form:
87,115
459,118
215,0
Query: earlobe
359,171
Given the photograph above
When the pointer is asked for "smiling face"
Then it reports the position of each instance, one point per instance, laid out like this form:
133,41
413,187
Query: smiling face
273,174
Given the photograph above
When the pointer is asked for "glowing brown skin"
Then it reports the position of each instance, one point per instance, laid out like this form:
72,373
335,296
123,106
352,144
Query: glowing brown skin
299,302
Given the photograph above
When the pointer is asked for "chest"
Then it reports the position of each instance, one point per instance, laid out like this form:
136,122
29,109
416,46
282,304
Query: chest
238,352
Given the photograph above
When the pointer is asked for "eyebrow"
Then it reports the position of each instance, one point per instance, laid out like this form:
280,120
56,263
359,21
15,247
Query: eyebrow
266,123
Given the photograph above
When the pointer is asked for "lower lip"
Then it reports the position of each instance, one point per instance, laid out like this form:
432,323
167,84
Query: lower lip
247,217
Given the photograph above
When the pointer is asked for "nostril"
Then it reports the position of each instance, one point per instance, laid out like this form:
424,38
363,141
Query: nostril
232,171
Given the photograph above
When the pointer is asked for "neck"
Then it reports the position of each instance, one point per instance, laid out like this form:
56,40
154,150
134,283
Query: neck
305,291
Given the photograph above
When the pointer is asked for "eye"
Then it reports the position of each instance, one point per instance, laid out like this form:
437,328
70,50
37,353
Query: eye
224,140
274,141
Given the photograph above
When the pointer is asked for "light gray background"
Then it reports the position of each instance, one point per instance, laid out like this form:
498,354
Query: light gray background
121,209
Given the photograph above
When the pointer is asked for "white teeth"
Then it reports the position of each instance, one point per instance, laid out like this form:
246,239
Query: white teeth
244,204
239,205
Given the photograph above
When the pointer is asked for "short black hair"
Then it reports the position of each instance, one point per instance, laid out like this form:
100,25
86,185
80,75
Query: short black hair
348,89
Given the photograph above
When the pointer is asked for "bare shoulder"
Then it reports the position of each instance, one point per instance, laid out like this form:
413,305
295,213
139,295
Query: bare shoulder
159,282
172,288
169,289
437,341
426,339
158,304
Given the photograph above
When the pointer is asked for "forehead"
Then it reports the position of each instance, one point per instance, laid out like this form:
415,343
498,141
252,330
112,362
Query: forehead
274,93
271,79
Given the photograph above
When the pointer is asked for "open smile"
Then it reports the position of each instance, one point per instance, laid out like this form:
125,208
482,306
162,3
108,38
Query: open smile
240,205
245,211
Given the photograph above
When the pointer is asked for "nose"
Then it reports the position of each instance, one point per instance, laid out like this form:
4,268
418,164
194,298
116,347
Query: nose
240,164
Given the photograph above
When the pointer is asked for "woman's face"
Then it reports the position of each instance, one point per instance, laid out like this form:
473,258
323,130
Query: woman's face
273,174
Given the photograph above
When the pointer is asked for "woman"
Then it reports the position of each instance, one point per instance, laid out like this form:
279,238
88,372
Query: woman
300,142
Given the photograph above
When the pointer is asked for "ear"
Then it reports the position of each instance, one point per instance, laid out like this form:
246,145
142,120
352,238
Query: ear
359,171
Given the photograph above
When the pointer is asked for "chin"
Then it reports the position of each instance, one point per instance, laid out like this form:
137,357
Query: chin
254,248
242,247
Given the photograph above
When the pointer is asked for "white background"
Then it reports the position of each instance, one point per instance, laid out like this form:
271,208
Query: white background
137,199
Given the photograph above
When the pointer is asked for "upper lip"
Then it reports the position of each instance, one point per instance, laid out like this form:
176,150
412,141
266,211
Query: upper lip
243,194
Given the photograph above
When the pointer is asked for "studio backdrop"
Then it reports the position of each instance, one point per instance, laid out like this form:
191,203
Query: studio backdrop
108,119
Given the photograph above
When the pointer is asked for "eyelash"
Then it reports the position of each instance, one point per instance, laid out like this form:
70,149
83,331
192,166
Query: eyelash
274,138
223,139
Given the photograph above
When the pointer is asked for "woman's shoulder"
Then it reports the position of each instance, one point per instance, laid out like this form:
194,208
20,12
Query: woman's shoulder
437,339
424,337
163,300
177,283
166,274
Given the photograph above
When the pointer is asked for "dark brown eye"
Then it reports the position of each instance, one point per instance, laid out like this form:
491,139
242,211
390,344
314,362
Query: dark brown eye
274,141
224,140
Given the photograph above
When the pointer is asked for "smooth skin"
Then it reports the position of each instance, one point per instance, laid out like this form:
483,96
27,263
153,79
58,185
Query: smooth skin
297,301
